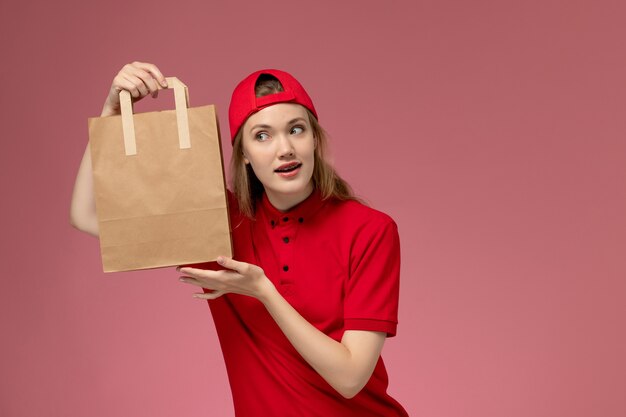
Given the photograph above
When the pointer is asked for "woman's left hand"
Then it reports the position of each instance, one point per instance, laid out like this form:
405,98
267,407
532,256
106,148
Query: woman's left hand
239,278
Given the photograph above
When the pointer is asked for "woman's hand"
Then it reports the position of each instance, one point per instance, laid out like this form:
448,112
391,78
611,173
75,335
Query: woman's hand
239,278
138,78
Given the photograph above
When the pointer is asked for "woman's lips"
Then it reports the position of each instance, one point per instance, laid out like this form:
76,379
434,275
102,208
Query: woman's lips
288,170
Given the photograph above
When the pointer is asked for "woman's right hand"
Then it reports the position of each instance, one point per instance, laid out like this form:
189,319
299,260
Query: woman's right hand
138,78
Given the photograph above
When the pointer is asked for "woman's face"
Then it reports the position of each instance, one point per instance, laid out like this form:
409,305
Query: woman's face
278,143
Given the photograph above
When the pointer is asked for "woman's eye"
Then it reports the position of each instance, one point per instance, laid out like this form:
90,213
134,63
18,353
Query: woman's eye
296,130
261,136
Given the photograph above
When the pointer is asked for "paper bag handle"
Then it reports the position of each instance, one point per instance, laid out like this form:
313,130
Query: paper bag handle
181,100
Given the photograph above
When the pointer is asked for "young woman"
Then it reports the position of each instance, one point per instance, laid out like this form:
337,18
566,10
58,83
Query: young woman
303,308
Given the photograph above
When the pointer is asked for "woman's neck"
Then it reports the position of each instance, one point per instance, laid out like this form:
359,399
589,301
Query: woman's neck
284,202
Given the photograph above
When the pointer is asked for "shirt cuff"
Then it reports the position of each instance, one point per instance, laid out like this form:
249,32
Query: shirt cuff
385,326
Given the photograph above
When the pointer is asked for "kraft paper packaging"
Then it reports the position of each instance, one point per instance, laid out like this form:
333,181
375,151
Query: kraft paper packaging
159,186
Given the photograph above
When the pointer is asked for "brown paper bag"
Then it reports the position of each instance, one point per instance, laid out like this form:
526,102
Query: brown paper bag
159,185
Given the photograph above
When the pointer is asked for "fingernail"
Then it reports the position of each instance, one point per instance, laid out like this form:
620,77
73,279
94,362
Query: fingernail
164,83
220,260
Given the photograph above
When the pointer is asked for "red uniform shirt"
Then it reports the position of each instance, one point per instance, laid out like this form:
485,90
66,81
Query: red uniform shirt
337,263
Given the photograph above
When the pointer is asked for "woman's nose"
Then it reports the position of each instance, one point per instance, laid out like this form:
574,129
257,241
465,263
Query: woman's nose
285,147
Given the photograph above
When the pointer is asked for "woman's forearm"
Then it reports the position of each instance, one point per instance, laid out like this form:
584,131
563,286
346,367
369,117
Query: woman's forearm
345,365
139,79
83,205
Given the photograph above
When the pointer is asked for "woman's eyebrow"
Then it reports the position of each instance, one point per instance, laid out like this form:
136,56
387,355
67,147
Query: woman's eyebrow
292,121
260,127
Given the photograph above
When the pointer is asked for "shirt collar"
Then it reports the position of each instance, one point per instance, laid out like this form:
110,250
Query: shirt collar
300,213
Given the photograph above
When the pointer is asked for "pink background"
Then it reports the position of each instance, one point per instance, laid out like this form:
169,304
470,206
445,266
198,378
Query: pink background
492,131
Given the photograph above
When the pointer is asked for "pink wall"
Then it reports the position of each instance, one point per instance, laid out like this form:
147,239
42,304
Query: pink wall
492,131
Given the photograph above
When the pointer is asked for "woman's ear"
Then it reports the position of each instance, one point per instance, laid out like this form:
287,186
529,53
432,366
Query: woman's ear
243,154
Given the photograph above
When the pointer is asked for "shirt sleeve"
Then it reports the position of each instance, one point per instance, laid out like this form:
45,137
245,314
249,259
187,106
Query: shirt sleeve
372,288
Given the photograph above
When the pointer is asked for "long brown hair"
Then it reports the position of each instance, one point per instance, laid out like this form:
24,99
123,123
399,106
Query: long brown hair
247,187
